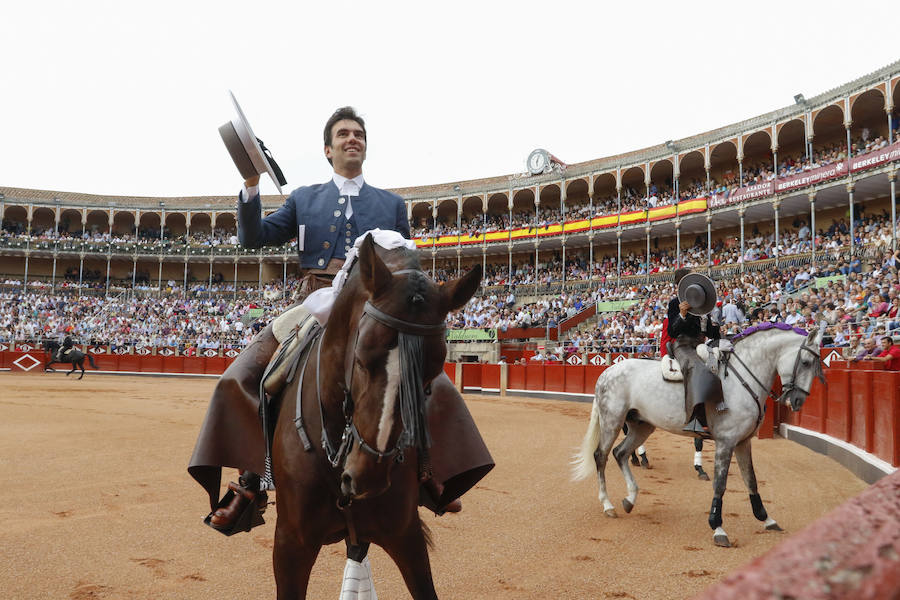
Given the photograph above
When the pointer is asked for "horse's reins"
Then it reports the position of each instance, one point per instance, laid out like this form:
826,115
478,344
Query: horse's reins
786,388
412,395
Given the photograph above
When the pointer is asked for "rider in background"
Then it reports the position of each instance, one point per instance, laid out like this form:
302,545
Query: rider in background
701,385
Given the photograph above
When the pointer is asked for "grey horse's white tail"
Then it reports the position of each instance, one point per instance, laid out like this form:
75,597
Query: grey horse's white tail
583,465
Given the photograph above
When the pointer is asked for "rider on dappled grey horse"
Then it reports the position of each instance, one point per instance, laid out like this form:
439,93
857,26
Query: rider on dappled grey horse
689,326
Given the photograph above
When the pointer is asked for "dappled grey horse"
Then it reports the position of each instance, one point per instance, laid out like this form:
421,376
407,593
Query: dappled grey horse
634,391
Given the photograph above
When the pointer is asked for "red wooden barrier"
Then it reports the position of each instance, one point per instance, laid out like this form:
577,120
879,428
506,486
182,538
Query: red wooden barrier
195,364
837,410
554,378
490,377
215,365
886,399
129,362
861,414
575,379
813,414
534,377
471,375
516,377
591,373
450,370
173,364
151,364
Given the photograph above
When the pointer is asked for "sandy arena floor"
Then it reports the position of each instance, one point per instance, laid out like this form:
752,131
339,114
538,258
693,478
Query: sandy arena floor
96,502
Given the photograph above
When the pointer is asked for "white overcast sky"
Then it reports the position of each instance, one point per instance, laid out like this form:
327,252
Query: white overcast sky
125,98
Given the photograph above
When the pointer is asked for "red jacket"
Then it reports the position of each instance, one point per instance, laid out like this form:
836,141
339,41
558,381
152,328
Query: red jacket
664,337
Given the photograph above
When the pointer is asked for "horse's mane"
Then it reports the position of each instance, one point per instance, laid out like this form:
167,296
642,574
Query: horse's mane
766,326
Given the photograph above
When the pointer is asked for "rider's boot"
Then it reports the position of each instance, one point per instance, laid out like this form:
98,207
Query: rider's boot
695,425
242,507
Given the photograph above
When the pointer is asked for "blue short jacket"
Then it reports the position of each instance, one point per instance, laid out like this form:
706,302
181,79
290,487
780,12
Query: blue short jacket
320,209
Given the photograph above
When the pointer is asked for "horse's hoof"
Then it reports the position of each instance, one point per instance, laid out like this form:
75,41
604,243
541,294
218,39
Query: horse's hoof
645,463
721,540
627,505
773,526
611,513
702,476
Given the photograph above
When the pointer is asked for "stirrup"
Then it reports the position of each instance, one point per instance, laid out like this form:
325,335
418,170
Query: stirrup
249,518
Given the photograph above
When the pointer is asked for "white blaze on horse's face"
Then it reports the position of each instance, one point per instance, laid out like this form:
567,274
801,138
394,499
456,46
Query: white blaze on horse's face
391,392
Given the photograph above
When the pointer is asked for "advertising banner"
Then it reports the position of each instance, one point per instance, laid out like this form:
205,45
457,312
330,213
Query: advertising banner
813,176
748,192
471,335
878,157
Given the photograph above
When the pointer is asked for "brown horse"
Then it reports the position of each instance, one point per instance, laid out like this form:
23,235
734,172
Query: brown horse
365,383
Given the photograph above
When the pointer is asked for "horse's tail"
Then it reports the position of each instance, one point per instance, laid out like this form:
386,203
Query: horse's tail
583,465
91,360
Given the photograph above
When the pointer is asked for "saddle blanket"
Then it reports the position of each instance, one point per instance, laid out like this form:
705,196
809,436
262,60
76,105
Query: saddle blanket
711,355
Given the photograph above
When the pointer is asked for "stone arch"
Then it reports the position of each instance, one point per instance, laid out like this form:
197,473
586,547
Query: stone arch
149,225
70,221
420,215
472,209
577,199
226,223
723,162
176,224
123,223
201,224
97,221
447,213
867,112
791,140
691,175
43,219
633,188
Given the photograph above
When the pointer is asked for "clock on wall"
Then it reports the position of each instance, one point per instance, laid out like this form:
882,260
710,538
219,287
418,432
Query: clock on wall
538,162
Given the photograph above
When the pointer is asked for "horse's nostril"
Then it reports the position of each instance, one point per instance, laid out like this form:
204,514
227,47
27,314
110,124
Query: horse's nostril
346,484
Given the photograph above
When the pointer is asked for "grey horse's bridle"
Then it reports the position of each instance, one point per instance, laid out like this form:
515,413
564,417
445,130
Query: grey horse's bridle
786,387
790,386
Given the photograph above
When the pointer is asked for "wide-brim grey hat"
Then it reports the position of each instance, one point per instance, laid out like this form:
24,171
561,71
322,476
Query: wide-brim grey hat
699,291
248,152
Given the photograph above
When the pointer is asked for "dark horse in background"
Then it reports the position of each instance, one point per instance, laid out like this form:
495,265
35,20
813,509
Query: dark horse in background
364,382
75,357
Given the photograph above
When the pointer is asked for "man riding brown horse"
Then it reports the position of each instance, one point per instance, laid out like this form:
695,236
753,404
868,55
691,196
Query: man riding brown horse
326,219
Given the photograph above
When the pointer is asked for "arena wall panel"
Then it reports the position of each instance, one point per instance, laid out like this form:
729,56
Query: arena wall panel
861,414
173,364
812,416
471,375
534,377
195,365
450,370
886,416
214,365
151,364
516,377
490,377
574,379
591,373
554,378
837,400
129,362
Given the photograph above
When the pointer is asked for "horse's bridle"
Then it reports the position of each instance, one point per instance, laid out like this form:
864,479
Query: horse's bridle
786,387
350,434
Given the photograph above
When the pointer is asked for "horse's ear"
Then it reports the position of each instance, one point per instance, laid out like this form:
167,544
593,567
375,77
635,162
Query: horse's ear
376,277
458,291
